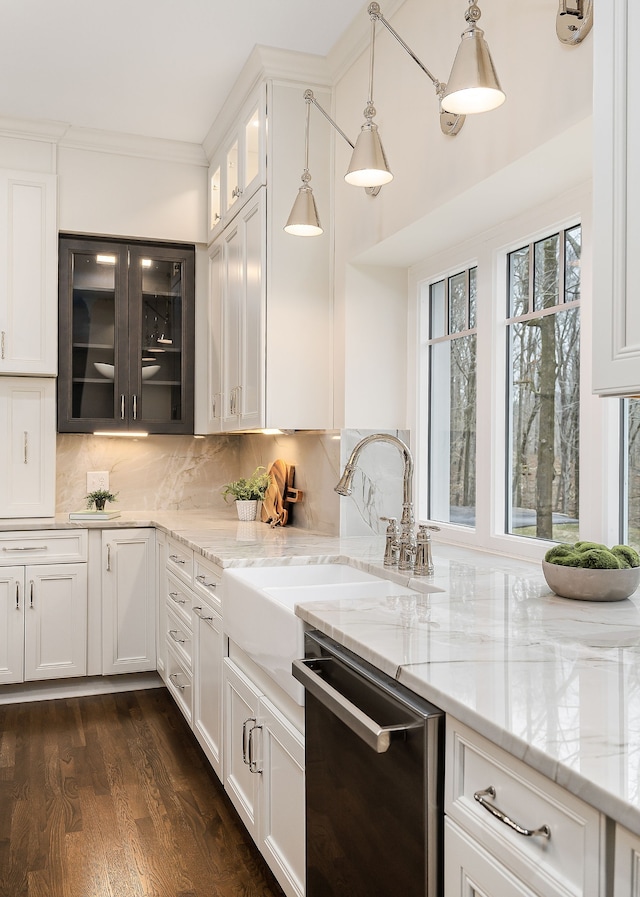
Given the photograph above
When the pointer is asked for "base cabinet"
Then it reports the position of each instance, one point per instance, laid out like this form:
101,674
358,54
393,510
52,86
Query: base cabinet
626,876
208,656
469,871
128,601
264,776
43,605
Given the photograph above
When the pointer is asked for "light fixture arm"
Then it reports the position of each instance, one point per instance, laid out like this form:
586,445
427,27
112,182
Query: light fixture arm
450,124
310,98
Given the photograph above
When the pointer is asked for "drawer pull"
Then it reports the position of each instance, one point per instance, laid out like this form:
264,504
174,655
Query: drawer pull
202,580
176,559
174,678
481,796
251,719
174,635
198,612
174,597
26,548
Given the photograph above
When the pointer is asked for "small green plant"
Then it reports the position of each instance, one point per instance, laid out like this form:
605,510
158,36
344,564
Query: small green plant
99,498
253,488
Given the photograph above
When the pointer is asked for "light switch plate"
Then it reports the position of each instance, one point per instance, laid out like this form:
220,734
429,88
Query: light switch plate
97,479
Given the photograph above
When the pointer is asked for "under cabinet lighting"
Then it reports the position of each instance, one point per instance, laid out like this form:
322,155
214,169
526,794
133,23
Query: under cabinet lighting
130,434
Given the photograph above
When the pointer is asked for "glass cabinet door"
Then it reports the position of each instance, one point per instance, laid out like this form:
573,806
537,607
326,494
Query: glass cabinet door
93,279
158,279
125,313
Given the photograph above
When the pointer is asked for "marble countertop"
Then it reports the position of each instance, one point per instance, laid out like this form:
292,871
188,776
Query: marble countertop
555,682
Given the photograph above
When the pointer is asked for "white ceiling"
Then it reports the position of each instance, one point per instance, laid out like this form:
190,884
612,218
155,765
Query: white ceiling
159,68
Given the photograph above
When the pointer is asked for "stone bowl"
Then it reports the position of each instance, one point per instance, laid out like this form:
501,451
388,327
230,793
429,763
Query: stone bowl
591,585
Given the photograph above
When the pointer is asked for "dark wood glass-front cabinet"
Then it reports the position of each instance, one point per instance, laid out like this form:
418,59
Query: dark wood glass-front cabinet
126,336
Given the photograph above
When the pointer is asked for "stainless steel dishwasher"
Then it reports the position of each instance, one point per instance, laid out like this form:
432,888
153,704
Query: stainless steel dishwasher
373,779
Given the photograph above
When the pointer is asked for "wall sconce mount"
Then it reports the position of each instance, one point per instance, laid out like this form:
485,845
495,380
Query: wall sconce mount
574,20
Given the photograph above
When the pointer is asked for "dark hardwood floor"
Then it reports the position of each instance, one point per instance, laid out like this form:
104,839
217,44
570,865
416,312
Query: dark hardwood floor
111,796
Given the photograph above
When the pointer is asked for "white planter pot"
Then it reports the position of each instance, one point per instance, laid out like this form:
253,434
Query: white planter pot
247,510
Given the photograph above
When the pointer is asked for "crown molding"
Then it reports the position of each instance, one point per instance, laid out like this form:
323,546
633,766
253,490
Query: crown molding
265,63
27,129
94,140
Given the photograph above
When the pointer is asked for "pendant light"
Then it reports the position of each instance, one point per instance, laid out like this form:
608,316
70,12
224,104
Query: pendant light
368,166
473,84
303,220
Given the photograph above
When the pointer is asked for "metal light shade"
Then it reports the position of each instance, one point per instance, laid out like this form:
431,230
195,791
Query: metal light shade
368,166
473,85
303,220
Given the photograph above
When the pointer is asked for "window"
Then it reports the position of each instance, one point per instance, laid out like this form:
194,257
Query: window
452,399
543,398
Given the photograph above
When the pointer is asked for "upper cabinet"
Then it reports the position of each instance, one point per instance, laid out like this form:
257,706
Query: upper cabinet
28,256
238,167
270,303
126,336
616,181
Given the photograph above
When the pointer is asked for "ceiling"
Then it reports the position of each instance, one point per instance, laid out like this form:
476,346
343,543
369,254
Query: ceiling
158,68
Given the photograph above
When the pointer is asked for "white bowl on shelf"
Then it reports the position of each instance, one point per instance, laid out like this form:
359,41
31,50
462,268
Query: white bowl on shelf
108,371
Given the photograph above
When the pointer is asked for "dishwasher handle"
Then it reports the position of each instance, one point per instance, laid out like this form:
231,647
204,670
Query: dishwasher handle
377,737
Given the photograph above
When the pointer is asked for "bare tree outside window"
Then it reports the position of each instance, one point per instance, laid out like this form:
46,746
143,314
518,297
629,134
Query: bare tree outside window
452,399
543,328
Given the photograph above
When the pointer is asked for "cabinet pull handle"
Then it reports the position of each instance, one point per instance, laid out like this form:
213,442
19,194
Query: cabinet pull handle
174,597
122,406
135,407
108,557
31,593
2,344
253,764
26,548
26,447
174,679
201,578
245,739
176,559
174,635
481,797
198,612
17,596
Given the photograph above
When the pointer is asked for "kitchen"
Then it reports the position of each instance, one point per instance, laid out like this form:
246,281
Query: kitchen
374,245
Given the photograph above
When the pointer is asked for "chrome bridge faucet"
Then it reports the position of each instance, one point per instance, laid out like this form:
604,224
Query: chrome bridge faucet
401,546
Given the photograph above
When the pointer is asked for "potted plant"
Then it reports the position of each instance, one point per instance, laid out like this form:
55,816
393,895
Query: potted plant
247,492
99,498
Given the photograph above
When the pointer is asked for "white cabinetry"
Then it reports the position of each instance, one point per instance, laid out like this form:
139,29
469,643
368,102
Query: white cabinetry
264,771
28,285
28,447
128,601
489,855
270,309
238,166
616,113
43,605
208,654
626,874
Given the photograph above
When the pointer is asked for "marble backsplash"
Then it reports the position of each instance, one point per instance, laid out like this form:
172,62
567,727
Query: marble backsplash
187,473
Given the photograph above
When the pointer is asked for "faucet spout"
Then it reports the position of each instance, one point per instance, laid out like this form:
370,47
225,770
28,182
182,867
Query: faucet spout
407,521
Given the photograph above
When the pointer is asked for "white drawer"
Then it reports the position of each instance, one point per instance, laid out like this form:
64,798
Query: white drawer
207,580
179,638
180,560
180,684
179,598
43,547
568,861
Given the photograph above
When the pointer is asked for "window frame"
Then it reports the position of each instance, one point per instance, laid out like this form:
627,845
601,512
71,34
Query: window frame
600,483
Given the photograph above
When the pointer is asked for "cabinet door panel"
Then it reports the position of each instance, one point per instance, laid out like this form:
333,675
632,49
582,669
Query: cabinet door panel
231,317
252,330
240,719
128,601
11,624
27,452
55,621
28,301
208,656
